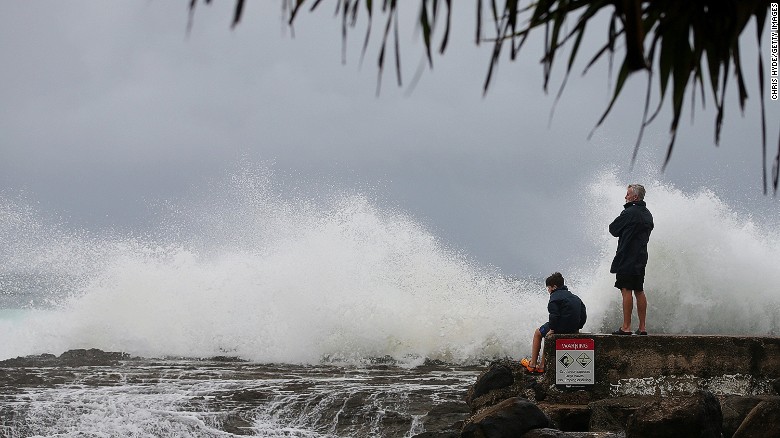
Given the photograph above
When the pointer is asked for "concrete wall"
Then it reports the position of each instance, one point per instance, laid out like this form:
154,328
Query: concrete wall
676,364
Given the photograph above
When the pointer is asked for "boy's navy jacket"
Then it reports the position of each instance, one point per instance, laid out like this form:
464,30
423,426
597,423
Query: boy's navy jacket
632,228
567,311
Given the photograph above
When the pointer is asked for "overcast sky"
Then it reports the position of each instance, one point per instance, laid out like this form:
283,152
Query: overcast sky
107,107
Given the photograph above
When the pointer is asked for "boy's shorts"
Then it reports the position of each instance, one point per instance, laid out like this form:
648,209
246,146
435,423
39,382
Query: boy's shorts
630,282
544,329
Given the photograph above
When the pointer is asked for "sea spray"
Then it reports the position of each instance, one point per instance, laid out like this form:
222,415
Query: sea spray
263,272
253,274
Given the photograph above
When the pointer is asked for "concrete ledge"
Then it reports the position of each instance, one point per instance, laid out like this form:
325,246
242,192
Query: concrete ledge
676,364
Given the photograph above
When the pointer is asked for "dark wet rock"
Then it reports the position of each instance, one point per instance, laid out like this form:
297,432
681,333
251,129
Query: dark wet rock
502,380
226,359
555,433
70,358
762,421
511,418
536,390
446,417
569,397
776,386
568,418
29,361
436,425
20,378
698,415
249,395
612,414
238,424
441,434
13,378
736,408
498,375
91,357
99,378
394,423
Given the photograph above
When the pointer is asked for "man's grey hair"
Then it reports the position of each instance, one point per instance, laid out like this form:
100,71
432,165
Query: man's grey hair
638,190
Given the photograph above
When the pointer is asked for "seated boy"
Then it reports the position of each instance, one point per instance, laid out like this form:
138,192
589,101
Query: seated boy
567,315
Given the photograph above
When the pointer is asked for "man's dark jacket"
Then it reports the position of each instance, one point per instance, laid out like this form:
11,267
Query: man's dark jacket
632,228
567,311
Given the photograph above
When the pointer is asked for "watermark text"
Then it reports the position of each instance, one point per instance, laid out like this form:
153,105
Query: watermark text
774,86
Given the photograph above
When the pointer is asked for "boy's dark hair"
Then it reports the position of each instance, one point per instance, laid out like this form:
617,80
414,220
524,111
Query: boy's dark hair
556,279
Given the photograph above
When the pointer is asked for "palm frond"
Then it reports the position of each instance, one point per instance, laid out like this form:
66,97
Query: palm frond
684,44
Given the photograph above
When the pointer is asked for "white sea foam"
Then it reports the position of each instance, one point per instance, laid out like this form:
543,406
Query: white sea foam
251,272
174,398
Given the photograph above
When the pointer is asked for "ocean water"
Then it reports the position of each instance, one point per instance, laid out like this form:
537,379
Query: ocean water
186,398
326,290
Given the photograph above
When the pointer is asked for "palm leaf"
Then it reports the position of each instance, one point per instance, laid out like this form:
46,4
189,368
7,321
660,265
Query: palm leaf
681,38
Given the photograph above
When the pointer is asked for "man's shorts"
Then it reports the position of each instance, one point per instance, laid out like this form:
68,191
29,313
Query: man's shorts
630,282
544,329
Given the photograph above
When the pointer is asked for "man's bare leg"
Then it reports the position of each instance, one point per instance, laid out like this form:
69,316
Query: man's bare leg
641,309
628,307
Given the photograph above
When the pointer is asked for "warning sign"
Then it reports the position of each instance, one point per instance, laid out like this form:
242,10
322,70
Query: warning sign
574,362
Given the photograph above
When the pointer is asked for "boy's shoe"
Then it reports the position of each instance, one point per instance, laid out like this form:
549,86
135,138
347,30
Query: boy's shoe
641,332
527,364
621,332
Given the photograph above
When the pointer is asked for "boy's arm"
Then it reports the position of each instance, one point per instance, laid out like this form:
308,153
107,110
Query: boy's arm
555,314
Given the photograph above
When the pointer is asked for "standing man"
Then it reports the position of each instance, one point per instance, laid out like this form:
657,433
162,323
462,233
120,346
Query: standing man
632,228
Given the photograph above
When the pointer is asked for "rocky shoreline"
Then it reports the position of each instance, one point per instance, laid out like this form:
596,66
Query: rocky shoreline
504,401
643,386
